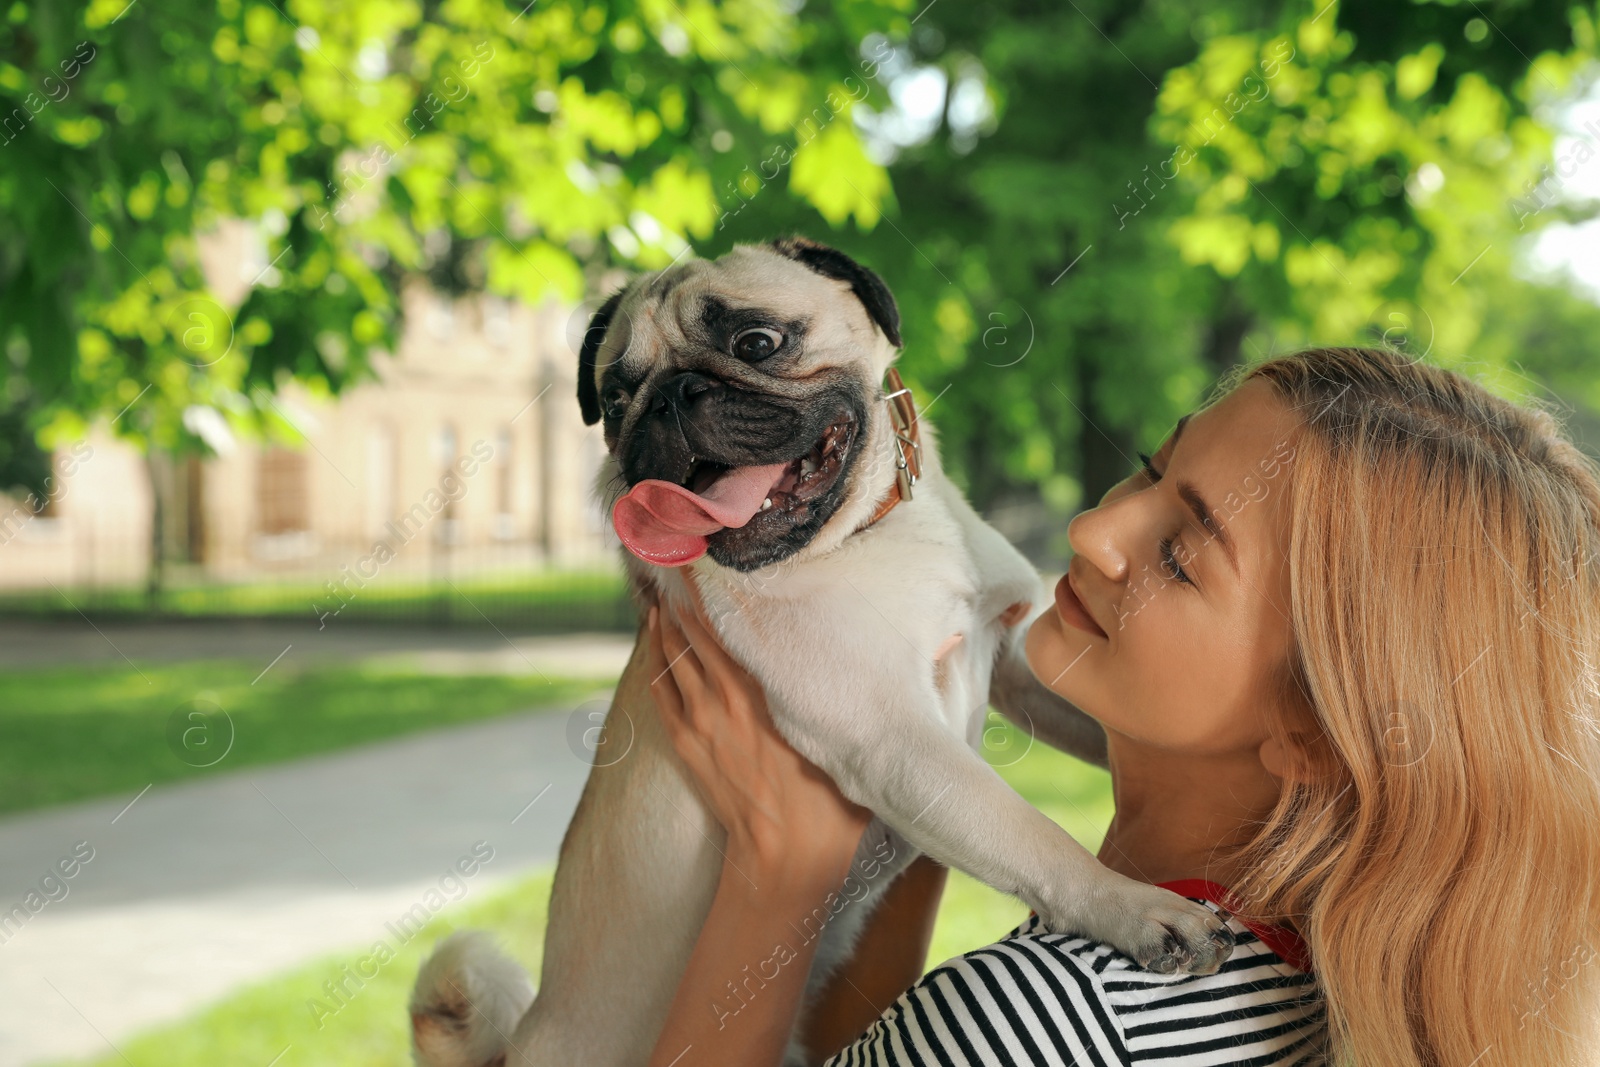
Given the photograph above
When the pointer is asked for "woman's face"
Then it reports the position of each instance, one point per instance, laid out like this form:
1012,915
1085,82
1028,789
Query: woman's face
1175,664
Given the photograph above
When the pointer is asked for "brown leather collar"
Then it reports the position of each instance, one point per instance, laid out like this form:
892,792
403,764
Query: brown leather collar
908,450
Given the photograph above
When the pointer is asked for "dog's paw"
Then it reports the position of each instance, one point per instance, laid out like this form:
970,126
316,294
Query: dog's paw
466,1003
1160,930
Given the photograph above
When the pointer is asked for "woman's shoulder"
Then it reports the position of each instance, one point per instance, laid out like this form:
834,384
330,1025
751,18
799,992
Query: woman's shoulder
1262,1005
1041,998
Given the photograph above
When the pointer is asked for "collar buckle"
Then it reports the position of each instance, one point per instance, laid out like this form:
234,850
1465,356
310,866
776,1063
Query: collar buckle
907,449
902,410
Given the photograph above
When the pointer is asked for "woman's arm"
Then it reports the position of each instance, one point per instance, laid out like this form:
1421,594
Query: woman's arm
889,957
791,837
741,992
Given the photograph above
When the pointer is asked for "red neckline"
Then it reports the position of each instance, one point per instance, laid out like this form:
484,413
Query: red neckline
1289,946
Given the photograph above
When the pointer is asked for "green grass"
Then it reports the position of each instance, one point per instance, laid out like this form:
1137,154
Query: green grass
546,600
256,1024
1074,795
76,732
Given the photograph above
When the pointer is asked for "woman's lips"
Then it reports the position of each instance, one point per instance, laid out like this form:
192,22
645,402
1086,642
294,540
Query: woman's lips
1073,613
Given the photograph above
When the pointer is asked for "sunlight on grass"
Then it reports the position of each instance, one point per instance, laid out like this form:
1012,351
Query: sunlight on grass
545,601
87,731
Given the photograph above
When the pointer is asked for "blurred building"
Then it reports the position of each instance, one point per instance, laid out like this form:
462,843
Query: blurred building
468,454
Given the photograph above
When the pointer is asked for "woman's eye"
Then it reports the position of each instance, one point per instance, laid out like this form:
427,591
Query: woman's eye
1169,560
616,403
756,343
1169,556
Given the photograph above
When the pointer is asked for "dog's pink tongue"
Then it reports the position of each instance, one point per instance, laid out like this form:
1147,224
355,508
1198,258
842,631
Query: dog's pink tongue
667,525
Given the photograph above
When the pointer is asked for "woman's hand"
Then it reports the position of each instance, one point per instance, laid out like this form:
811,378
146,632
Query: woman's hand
791,837
779,809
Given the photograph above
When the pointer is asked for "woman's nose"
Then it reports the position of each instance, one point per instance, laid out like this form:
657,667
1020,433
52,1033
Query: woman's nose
1100,535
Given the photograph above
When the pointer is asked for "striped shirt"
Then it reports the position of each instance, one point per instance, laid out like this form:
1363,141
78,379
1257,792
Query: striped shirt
1038,999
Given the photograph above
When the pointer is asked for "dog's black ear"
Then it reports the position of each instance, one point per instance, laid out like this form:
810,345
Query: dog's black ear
588,392
868,287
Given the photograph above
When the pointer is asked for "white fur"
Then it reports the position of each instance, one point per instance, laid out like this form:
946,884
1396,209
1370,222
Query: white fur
467,1002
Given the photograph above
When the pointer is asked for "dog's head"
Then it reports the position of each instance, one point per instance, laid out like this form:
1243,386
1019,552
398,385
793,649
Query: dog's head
753,382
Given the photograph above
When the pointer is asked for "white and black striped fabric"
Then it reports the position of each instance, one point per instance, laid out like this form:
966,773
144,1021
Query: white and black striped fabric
1037,999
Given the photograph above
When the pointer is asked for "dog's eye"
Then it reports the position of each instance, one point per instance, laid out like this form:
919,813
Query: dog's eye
756,343
616,403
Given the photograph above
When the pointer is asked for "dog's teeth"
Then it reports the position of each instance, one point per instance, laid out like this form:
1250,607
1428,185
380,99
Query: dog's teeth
808,466
767,503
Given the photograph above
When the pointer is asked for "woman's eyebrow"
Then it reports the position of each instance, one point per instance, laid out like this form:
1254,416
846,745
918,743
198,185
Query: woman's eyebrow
1177,432
1191,496
1197,504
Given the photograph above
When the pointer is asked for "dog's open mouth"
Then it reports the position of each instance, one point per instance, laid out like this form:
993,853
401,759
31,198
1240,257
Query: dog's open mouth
802,480
669,523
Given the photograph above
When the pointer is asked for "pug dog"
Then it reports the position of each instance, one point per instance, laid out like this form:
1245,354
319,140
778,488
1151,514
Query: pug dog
754,451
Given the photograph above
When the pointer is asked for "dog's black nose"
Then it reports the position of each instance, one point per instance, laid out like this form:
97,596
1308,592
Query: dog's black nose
680,391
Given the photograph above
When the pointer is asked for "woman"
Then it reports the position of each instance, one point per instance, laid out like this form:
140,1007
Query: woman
1357,702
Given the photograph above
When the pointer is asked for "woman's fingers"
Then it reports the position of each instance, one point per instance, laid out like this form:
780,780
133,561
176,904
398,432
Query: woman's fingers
728,674
704,642
694,595
699,616
662,687
672,707
674,679
701,643
686,668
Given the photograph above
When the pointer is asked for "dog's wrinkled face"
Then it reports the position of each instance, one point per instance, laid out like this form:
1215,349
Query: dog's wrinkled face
771,354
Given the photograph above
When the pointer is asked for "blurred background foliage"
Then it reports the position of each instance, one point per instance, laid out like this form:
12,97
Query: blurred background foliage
1087,211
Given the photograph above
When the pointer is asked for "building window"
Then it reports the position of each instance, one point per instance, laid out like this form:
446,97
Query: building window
497,321
282,492
382,479
446,448
505,523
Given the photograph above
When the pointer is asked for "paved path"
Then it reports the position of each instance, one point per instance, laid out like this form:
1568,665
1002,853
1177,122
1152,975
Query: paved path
195,888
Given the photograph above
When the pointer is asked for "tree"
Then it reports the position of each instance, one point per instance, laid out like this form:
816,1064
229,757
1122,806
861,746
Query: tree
507,147
1166,188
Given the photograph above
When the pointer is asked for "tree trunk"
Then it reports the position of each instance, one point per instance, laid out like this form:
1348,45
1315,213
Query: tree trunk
155,575
1105,451
1224,335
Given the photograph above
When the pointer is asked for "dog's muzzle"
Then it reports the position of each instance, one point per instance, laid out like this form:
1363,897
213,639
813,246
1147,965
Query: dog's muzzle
744,513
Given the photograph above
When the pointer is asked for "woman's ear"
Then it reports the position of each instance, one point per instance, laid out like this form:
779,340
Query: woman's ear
1295,749
1275,757
1287,758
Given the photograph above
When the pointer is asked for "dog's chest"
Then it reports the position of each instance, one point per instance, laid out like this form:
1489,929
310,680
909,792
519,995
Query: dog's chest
905,601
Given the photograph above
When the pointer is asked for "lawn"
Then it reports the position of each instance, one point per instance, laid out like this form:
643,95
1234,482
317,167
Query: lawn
279,1021
87,731
543,601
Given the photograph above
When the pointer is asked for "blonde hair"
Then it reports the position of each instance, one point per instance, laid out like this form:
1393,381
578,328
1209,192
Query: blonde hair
1441,854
